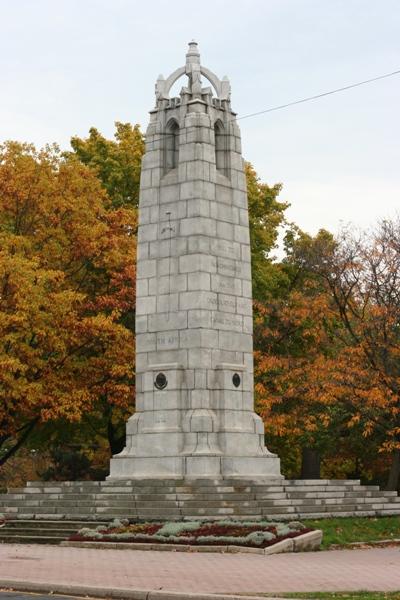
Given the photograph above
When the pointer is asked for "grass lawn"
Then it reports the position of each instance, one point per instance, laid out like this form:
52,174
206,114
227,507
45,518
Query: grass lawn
356,529
345,595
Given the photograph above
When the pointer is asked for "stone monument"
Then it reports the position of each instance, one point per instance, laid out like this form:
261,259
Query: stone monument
194,347
195,448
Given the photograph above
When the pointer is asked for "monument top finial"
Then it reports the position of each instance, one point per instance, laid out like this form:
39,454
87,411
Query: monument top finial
192,69
193,49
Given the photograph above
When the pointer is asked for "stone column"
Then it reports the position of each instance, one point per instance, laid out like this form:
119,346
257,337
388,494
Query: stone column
194,347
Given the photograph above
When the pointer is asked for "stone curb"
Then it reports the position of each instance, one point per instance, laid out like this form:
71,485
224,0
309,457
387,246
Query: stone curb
307,542
117,593
358,545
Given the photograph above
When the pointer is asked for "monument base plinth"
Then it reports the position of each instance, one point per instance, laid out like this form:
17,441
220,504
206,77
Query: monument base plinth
170,498
125,466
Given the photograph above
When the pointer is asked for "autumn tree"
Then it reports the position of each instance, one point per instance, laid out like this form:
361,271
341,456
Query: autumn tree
293,342
363,274
67,273
117,165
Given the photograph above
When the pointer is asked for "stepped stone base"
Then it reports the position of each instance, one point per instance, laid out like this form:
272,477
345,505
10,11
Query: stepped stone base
172,499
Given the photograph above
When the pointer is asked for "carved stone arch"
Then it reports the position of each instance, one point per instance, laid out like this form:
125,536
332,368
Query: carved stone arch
169,82
213,79
164,86
171,145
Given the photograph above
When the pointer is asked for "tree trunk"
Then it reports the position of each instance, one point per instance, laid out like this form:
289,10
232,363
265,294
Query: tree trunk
26,431
116,442
310,464
394,473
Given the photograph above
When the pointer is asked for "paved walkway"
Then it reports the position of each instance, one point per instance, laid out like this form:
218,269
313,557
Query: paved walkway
375,569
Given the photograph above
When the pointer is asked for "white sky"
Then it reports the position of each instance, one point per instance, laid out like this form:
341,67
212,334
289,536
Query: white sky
67,65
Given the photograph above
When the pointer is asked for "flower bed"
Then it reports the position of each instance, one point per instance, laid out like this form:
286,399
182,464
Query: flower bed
252,534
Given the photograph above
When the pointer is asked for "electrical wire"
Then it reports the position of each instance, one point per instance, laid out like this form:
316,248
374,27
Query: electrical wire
302,100
322,95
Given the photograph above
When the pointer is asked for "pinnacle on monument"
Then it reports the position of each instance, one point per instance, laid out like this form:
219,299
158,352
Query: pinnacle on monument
193,52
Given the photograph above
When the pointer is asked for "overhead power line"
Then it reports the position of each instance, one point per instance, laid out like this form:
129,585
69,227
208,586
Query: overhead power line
303,100
316,96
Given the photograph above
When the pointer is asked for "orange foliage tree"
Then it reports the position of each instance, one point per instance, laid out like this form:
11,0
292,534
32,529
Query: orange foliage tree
67,274
327,360
363,275
294,351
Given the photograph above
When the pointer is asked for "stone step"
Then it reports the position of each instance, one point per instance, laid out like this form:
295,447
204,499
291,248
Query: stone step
328,488
128,508
289,489
52,484
94,502
388,511
342,494
38,531
341,482
160,483
131,512
61,517
188,496
49,525
309,501
270,489
189,504
229,511
74,499
173,500
30,539
272,510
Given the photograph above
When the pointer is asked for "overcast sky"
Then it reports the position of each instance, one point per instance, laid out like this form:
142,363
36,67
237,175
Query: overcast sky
67,65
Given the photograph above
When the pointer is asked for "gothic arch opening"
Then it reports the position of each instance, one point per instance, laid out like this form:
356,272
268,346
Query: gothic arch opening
220,148
171,155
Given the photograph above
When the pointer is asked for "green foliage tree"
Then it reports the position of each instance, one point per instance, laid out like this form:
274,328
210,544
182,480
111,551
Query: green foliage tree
266,218
117,162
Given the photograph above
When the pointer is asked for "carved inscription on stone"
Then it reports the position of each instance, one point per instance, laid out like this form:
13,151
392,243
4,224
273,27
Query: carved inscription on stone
226,303
226,321
167,341
226,266
226,285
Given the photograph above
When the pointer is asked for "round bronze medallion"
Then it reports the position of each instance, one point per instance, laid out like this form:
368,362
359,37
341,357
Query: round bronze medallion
236,379
161,381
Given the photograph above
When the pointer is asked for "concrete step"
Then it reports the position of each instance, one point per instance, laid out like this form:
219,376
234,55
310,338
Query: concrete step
93,502
189,504
66,502
272,510
309,502
21,523
30,539
38,531
32,531
217,511
388,511
341,482
85,499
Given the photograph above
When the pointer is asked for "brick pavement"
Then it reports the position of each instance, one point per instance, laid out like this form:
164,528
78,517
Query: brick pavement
374,569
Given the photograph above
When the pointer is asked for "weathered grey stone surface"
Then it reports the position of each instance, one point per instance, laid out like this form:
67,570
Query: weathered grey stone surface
176,499
194,301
